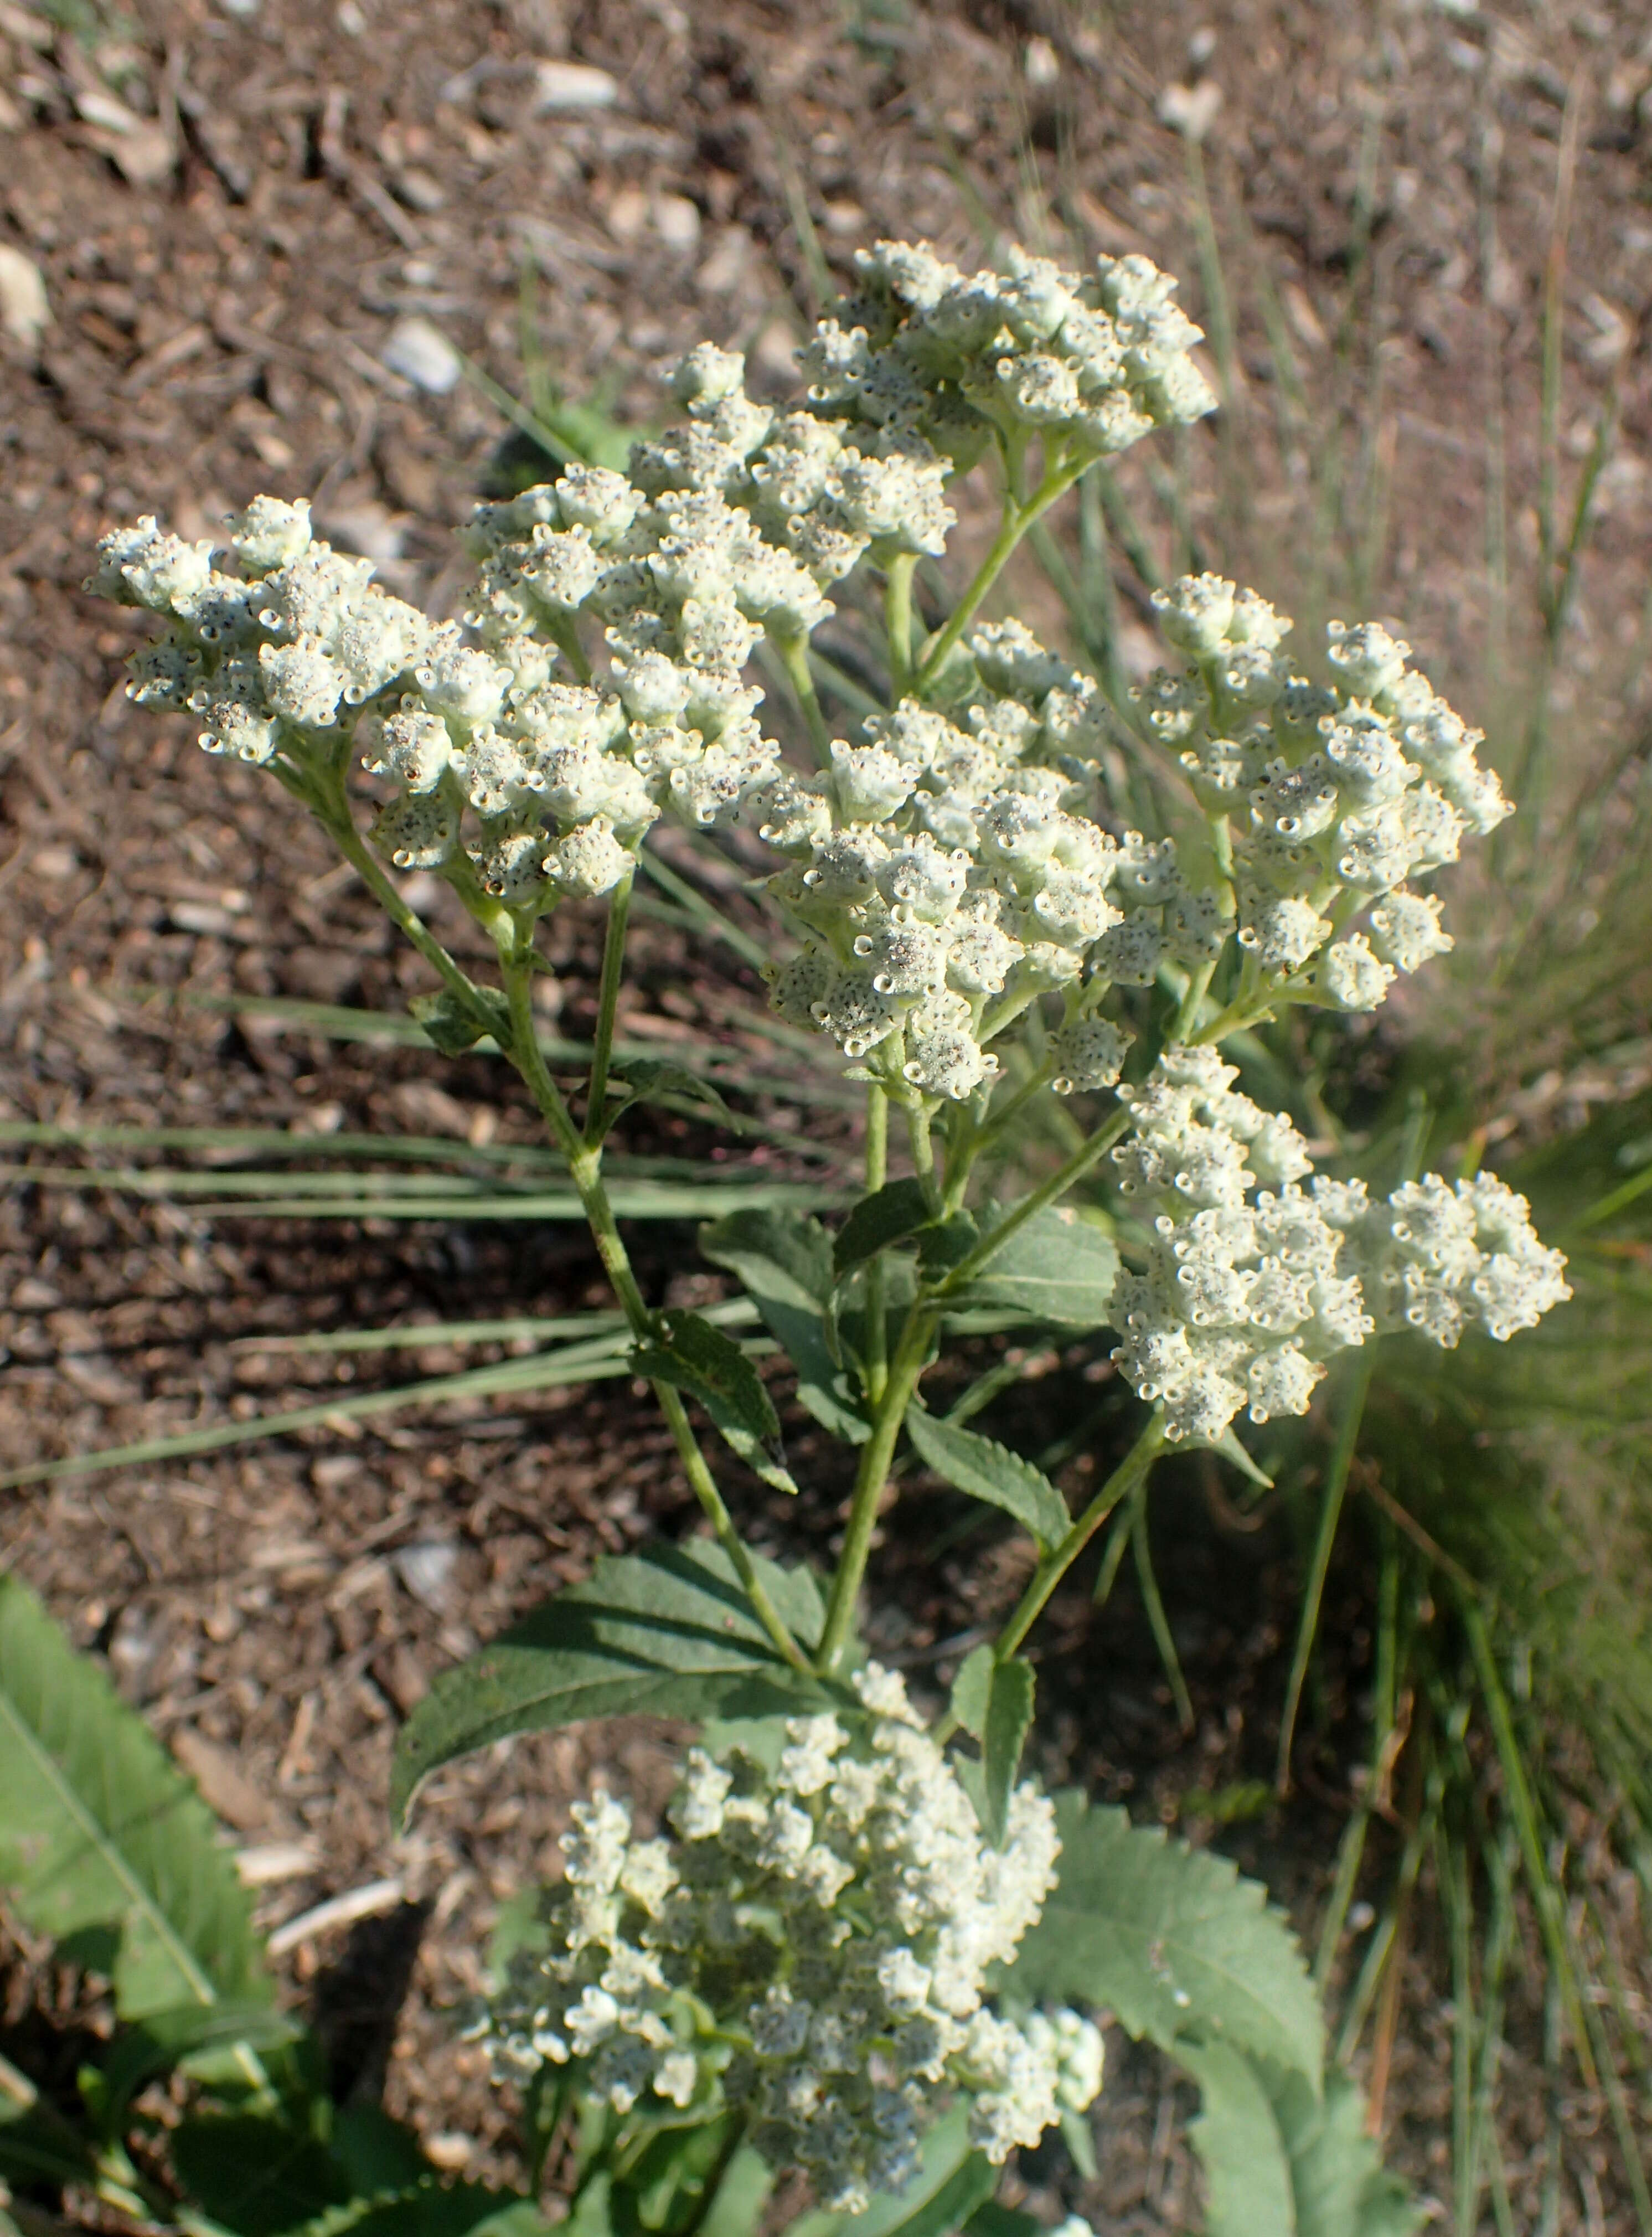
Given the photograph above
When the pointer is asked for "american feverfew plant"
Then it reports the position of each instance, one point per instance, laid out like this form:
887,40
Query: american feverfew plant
866,1958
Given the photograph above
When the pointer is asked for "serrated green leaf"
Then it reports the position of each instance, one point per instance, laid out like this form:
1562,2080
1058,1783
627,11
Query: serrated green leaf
990,1471
650,1079
667,1632
451,1027
784,1261
1171,1940
972,1690
689,1353
1009,1719
892,1214
1055,1267
1247,2171
99,1830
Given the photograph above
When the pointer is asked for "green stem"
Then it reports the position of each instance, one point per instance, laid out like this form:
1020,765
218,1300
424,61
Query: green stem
1330,1512
331,810
911,1356
898,622
922,1150
794,656
1059,477
619,909
1087,1154
877,1314
1129,1472
585,1169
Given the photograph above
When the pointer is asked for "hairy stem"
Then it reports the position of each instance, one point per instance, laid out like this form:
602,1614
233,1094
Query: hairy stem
911,1355
898,623
1054,1567
585,1169
619,910
877,1172
1087,1154
1058,477
794,656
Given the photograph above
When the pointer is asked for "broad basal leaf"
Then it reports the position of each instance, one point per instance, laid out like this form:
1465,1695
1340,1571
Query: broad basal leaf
1341,2185
101,1835
665,1632
689,1353
890,1215
990,1471
1055,1267
783,1259
1172,1941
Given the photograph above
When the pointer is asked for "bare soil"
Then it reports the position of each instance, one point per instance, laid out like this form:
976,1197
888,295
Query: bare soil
223,269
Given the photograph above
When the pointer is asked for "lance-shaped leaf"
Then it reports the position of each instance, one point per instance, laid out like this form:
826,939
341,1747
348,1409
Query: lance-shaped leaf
650,1079
103,1842
992,1472
1055,1267
687,1352
1009,1719
784,1261
665,1632
892,1214
1171,1940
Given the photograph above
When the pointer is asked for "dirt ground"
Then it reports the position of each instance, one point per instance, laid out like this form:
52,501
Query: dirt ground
231,221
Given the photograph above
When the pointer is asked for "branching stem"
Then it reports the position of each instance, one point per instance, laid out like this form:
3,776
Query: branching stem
1059,476
911,1356
1056,1564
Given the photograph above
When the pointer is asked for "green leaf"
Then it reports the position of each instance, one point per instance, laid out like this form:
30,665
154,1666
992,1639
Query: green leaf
744,2190
892,1214
665,1632
1009,1719
36,2143
453,1028
100,1830
1172,1941
431,2209
784,1261
1237,2137
163,2041
1227,1447
1077,2134
994,2221
1283,2163
990,1471
972,1690
648,1079
689,1353
256,2176
1055,1267
1342,2187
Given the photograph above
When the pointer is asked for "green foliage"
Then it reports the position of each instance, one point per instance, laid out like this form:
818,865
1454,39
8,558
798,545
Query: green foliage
1281,2162
452,1027
650,1079
784,1261
989,1471
1056,1267
686,1351
892,1214
665,1632
1172,1941
104,1844
1009,1719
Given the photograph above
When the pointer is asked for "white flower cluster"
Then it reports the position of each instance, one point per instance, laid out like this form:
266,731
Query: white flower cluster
810,1950
945,873
1337,796
1251,1283
1088,364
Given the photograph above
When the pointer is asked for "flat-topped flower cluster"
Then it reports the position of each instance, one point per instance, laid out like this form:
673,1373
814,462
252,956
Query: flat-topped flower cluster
1334,796
810,1950
1251,1283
